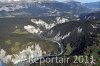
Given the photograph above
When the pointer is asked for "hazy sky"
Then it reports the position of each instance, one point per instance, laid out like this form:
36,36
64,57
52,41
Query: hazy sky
84,1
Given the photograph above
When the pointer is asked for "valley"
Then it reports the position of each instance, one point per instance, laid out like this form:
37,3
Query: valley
49,30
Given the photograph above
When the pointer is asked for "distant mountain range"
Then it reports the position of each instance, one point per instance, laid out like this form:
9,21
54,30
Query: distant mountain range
51,8
47,8
93,5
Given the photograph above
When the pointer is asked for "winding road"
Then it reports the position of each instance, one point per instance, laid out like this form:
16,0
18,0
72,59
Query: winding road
61,47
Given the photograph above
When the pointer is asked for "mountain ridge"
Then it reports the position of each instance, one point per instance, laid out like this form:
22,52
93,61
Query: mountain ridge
43,9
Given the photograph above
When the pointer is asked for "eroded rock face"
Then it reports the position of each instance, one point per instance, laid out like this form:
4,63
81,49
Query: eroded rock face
32,29
40,23
26,54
